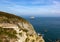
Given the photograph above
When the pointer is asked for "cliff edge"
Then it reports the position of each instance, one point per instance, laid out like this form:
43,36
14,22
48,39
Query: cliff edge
16,29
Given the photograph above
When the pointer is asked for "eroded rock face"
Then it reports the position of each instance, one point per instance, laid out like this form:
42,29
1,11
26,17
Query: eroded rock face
16,29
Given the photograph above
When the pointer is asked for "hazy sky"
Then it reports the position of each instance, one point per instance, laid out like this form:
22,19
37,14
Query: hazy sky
31,7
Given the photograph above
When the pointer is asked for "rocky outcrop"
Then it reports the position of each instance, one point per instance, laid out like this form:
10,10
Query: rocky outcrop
17,29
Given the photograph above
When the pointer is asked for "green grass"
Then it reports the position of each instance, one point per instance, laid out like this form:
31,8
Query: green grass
9,32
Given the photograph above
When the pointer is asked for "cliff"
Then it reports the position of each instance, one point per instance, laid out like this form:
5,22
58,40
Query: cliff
17,29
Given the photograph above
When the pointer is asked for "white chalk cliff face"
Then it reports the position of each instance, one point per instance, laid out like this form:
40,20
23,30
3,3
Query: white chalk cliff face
17,29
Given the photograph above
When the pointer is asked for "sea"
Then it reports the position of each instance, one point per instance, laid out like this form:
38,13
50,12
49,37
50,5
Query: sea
49,27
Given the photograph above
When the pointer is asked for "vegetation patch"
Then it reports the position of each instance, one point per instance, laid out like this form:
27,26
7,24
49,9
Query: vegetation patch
8,31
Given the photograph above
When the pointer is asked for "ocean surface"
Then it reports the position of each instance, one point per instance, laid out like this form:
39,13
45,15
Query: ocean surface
49,27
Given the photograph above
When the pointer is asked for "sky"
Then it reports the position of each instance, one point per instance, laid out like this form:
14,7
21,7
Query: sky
31,7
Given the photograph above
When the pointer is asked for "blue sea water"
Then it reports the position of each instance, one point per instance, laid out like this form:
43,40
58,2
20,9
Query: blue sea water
48,26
